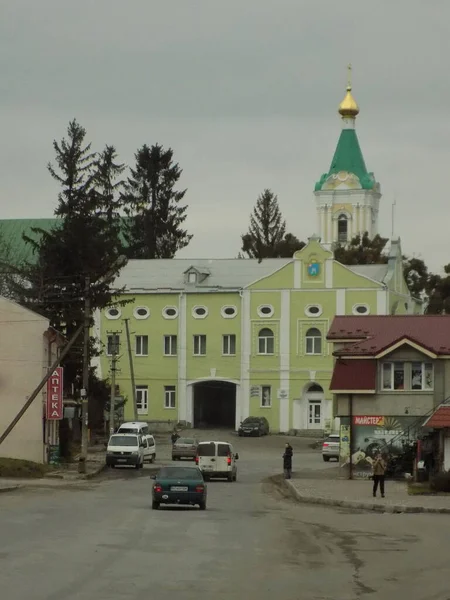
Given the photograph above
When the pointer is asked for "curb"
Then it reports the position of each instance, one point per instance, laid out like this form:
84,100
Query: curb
11,488
99,470
368,506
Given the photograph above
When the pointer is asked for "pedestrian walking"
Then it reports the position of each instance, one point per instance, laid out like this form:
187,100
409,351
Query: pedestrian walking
287,461
174,437
379,469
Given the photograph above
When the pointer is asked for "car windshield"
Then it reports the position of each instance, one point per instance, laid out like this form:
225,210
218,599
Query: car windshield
127,429
123,440
189,441
207,449
333,438
251,420
179,473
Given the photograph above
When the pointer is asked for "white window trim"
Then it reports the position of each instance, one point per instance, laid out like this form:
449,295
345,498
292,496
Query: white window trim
315,337
195,315
136,344
391,364
266,337
261,405
358,314
113,317
423,389
407,374
142,388
192,277
199,335
310,314
168,394
228,335
107,342
170,335
265,315
141,317
224,314
166,316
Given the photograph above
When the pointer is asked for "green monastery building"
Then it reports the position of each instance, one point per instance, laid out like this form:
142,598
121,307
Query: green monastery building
215,340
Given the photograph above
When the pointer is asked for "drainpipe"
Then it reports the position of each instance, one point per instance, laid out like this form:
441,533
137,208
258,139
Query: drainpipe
350,412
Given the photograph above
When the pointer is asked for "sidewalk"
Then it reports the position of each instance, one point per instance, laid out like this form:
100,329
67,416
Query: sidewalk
357,494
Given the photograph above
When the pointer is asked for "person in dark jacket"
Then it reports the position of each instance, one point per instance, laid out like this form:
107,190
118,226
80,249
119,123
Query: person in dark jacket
174,437
287,461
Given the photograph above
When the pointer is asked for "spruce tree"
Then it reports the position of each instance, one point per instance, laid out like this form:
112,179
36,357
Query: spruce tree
266,236
152,204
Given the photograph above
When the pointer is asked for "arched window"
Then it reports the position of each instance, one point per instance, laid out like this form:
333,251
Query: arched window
266,341
313,341
342,229
315,387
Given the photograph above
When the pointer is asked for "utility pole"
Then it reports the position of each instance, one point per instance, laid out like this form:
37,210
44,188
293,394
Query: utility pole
84,391
112,404
130,358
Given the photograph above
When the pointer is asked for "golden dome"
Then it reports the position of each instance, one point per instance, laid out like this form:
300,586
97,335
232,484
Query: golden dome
348,108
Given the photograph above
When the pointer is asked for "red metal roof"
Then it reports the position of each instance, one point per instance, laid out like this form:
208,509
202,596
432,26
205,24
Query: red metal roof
377,333
354,375
439,419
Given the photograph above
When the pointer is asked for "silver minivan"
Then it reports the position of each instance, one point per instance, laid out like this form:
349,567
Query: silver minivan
217,459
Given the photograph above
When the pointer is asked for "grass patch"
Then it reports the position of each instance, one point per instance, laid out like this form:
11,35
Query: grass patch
26,469
424,489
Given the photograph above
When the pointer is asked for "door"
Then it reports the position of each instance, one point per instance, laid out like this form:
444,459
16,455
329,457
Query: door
314,414
146,449
207,457
224,458
151,446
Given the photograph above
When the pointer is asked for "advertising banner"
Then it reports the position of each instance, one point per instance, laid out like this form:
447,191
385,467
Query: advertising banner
55,395
373,434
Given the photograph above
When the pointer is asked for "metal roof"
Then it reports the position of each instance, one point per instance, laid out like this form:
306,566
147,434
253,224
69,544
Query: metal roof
376,272
169,274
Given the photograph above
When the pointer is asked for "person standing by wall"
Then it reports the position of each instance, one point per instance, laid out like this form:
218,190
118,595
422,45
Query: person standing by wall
379,470
287,461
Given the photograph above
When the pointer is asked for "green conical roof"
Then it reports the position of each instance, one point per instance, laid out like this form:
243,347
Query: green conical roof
348,157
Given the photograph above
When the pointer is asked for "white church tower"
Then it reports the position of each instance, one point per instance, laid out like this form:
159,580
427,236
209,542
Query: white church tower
347,196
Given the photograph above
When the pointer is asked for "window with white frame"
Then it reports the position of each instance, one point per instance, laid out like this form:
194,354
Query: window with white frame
141,312
266,341
170,312
199,345
229,344
393,376
192,277
112,344
228,312
266,396
414,376
421,376
141,345
265,310
313,341
169,396
170,345
142,399
113,313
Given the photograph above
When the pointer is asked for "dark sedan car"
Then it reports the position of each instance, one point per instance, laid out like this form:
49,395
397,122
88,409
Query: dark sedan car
179,485
254,426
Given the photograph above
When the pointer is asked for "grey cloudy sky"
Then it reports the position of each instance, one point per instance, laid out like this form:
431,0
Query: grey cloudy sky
245,92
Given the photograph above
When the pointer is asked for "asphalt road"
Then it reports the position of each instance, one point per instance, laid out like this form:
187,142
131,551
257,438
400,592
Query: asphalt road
104,542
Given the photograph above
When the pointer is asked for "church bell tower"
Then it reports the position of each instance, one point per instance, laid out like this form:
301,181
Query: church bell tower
347,196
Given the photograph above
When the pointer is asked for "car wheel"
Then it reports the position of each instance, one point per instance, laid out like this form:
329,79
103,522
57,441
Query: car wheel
206,478
155,505
326,458
202,505
235,477
230,477
112,466
152,458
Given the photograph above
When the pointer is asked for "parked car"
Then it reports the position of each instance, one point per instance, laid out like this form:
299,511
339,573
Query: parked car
217,459
254,426
330,447
184,448
126,449
141,429
179,485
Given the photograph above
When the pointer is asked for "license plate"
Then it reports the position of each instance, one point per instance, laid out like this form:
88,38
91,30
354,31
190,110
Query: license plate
121,460
179,488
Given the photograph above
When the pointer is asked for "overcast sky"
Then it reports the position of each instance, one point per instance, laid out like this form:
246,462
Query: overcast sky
246,94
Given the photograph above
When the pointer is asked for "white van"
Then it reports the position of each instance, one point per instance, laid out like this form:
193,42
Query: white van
141,429
217,459
125,449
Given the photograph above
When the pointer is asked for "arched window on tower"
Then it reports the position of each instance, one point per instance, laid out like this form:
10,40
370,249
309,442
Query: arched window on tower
342,229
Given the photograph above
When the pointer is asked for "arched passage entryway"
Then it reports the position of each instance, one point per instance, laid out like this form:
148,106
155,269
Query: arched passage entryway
214,404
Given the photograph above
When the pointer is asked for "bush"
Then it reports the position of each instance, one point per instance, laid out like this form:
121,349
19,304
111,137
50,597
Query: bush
12,467
440,482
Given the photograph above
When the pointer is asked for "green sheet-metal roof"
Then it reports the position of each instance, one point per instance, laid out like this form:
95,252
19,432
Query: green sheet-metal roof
11,236
348,157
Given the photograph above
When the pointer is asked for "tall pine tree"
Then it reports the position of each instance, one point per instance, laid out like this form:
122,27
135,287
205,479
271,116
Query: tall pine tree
266,236
85,244
152,204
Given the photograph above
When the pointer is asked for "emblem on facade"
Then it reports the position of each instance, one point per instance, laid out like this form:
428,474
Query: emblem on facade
313,269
